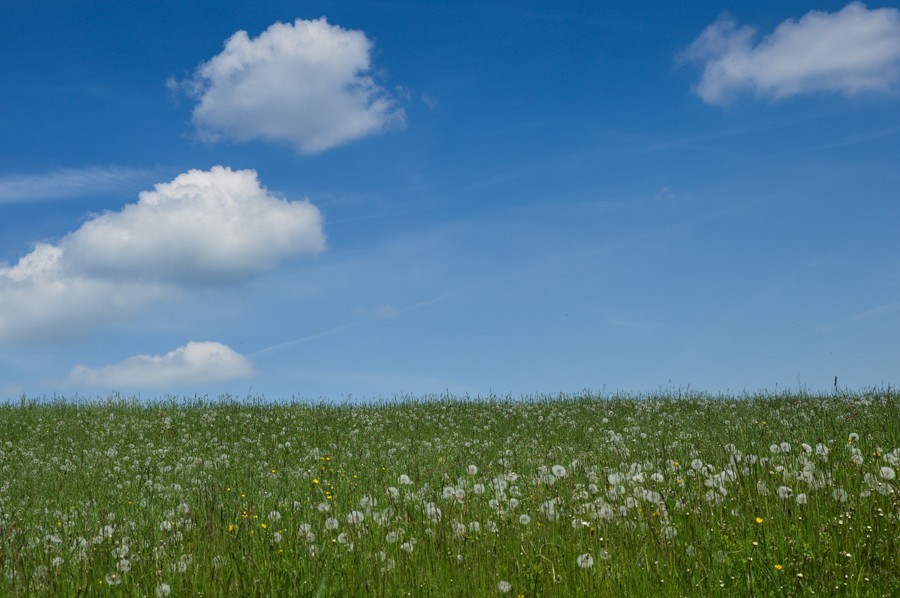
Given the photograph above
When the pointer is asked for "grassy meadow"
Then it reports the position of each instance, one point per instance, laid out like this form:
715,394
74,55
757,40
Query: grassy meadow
569,496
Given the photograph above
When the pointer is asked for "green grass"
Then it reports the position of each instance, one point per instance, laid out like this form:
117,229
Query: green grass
669,496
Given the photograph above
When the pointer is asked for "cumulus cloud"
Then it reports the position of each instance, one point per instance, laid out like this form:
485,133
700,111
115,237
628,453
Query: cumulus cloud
203,228
194,363
308,83
851,51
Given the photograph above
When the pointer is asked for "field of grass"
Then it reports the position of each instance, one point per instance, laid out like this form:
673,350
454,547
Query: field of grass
666,496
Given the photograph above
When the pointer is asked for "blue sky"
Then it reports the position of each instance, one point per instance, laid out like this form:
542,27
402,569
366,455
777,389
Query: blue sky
373,199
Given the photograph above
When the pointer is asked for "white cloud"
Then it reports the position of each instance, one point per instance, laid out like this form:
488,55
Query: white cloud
306,83
71,182
203,228
852,51
194,363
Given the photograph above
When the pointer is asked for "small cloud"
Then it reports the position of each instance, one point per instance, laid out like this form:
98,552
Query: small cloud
215,227
308,83
668,196
430,101
849,52
71,182
194,363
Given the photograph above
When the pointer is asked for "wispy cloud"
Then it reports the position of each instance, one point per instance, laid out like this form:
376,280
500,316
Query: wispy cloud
69,183
851,51
879,312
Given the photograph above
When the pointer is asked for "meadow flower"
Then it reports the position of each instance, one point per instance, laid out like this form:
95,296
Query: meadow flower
524,519
839,494
331,524
355,517
893,457
504,587
393,493
163,590
559,471
433,512
408,546
801,499
888,473
305,530
478,489
822,450
696,464
404,480
113,579
585,561
548,508
124,565
472,469
474,527
784,492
